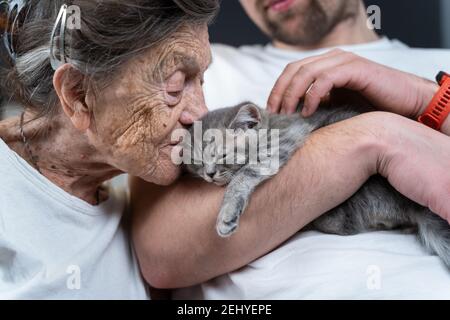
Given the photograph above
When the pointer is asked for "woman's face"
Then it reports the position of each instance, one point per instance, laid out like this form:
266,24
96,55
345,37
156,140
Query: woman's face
156,93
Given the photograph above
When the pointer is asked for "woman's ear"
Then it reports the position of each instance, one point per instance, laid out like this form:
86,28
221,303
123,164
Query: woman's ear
68,83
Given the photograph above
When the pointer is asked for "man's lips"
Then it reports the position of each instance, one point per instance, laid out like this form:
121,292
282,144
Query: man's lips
278,5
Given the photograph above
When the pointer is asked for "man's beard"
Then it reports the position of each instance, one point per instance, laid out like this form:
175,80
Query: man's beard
311,26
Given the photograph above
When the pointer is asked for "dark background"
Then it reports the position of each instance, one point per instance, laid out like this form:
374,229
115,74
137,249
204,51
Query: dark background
415,22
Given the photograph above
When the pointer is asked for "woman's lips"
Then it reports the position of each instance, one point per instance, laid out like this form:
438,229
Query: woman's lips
176,142
279,5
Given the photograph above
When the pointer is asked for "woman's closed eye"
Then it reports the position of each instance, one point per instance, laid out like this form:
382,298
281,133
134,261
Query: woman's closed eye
175,85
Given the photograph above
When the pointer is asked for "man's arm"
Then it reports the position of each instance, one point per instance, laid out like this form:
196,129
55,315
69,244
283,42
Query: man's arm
446,127
174,227
386,88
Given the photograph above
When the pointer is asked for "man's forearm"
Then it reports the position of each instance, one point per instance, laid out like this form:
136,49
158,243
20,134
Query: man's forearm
174,227
446,127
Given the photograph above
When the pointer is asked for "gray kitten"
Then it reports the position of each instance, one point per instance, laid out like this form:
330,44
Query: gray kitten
376,206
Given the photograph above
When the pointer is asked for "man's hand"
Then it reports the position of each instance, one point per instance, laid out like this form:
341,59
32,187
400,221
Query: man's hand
314,78
415,160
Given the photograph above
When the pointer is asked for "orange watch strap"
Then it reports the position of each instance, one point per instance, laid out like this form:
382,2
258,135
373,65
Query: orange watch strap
439,108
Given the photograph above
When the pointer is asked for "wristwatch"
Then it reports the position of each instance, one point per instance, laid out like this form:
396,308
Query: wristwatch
439,108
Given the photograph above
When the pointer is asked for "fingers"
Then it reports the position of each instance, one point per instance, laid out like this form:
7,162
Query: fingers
313,79
283,82
305,79
316,94
339,77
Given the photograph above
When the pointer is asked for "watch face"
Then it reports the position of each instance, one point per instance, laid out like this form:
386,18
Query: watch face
442,77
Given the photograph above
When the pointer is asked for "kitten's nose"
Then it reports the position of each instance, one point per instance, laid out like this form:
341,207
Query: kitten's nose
211,174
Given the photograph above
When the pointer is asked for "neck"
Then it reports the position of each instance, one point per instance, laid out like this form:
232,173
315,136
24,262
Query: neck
349,32
62,154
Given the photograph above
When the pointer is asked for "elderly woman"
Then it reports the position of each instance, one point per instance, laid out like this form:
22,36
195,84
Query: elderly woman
99,101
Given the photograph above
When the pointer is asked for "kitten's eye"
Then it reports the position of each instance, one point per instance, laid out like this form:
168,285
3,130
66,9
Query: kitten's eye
175,87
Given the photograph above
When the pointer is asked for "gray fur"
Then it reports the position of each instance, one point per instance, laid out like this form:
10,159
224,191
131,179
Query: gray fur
376,206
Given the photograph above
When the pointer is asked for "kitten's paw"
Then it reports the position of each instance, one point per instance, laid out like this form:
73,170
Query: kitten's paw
228,220
225,230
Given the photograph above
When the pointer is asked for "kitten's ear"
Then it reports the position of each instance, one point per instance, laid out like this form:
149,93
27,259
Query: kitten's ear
248,117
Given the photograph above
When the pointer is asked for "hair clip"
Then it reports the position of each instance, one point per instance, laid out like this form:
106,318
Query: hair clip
11,13
61,19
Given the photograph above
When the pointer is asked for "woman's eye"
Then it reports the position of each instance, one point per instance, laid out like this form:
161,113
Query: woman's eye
175,94
175,86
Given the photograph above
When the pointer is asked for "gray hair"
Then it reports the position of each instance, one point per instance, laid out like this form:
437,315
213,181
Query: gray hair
112,32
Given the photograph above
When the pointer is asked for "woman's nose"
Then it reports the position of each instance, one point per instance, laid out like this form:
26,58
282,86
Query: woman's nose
193,113
187,118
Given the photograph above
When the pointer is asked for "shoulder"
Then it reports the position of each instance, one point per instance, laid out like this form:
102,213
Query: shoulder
232,75
225,51
420,61
424,62
431,56
238,58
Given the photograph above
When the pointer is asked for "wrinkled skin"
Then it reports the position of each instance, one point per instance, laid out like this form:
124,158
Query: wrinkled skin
158,93
128,124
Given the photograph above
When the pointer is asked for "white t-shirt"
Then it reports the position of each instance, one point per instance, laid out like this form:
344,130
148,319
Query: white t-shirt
312,265
56,246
